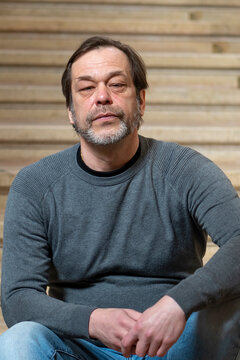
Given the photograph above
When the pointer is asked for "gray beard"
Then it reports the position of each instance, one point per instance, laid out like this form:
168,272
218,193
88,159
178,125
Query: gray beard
126,127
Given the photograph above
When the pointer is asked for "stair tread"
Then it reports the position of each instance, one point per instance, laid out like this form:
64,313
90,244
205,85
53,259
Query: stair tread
141,42
221,3
152,59
120,10
119,25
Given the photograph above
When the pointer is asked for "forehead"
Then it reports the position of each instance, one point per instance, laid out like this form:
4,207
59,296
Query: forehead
100,61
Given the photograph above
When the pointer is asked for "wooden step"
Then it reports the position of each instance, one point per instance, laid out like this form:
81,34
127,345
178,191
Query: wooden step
3,202
119,9
151,26
167,14
110,11
191,61
152,59
190,116
196,135
6,177
220,3
180,44
189,96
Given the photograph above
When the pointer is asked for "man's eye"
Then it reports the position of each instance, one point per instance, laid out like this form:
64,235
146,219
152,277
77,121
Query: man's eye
117,85
86,89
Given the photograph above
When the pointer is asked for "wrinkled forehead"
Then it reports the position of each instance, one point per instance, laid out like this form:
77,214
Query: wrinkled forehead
101,61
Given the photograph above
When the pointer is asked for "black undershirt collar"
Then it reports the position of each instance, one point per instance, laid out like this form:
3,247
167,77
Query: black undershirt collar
132,161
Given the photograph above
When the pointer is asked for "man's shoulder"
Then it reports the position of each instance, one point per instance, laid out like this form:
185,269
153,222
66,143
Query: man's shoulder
176,162
38,176
172,153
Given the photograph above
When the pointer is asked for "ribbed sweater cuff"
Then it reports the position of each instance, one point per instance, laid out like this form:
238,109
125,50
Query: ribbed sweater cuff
186,297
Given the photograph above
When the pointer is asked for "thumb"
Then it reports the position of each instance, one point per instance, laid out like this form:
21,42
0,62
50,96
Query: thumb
133,314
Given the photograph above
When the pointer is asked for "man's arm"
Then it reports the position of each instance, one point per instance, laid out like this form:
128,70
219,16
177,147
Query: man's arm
215,206
25,272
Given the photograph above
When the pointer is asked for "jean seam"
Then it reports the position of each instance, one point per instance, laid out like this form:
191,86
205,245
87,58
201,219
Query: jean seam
63,352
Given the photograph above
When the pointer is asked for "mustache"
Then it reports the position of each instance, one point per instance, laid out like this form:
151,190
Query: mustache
116,111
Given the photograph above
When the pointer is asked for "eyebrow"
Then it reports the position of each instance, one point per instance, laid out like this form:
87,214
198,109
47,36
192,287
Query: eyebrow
109,76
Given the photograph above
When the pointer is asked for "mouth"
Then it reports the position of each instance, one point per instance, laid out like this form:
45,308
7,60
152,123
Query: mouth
105,116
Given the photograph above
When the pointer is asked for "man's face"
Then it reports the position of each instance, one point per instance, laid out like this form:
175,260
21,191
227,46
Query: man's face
105,108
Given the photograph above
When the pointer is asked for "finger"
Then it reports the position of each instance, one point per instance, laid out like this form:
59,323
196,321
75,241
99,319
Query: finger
135,315
162,351
142,348
153,348
128,343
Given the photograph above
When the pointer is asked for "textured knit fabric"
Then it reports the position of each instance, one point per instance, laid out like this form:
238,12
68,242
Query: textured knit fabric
120,241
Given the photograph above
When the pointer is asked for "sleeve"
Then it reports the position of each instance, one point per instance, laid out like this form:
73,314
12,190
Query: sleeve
25,268
214,206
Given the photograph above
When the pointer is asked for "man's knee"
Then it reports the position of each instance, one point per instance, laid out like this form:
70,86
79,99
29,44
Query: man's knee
25,338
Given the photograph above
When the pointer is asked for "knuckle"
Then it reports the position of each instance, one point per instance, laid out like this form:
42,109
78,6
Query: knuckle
139,326
149,334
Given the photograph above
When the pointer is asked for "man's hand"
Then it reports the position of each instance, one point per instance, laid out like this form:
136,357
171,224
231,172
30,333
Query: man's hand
156,330
111,325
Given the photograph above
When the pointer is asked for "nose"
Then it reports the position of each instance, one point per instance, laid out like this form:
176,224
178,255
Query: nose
103,95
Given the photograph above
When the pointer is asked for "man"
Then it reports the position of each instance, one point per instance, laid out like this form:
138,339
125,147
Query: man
116,227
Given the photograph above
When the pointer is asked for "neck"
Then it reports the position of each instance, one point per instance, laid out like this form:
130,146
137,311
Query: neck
109,157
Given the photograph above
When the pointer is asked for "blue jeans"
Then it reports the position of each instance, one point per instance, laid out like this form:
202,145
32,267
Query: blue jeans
210,334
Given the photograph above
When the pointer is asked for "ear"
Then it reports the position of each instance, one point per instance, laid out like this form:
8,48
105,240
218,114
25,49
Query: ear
70,116
142,94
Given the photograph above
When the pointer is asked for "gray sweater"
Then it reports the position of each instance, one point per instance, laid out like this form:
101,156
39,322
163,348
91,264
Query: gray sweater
119,241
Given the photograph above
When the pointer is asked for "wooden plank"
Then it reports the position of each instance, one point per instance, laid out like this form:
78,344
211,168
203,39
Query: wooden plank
6,178
221,3
152,59
192,117
91,11
34,58
197,135
33,114
60,42
82,11
191,61
118,26
190,95
31,41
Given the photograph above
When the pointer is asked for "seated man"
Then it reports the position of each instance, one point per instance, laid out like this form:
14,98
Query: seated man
116,228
